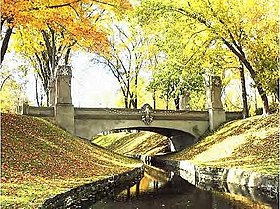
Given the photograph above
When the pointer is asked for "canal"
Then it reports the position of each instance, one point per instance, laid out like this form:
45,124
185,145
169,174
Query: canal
160,189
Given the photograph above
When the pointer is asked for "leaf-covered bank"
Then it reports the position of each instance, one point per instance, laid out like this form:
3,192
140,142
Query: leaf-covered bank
249,144
143,142
39,160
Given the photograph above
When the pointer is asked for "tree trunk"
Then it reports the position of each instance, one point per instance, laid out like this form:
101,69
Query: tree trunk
67,55
265,100
177,102
48,98
245,111
5,43
167,101
154,98
133,100
240,54
131,103
4,81
53,54
277,92
135,93
125,102
36,91
135,103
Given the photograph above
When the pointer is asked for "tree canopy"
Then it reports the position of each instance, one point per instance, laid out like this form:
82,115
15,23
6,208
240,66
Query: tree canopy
47,31
245,28
78,18
178,42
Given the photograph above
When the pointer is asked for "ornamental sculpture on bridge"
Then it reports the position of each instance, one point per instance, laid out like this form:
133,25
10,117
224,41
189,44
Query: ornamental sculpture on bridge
146,111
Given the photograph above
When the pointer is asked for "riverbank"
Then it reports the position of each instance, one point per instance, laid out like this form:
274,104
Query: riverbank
256,186
250,144
39,161
243,153
242,157
86,195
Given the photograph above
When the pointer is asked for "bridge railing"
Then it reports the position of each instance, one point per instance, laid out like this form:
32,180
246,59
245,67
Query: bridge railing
233,115
126,114
37,111
135,114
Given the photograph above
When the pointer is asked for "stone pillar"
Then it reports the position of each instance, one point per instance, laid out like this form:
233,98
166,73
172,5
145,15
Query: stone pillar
64,109
184,101
215,107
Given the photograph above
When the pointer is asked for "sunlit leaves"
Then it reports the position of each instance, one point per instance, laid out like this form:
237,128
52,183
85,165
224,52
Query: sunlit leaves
44,150
77,20
251,144
244,29
144,143
37,154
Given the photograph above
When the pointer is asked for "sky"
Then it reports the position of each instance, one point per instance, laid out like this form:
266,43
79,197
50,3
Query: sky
92,84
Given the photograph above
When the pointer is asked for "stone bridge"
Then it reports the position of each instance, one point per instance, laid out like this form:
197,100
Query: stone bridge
88,122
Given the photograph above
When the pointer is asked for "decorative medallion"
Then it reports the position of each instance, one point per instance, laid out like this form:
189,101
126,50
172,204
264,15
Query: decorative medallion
146,111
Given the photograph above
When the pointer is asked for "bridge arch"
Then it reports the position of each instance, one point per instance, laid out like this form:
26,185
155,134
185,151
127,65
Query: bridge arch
180,139
92,121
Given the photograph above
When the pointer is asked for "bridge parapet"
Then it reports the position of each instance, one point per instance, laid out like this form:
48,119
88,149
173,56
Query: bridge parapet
234,115
126,114
37,111
136,114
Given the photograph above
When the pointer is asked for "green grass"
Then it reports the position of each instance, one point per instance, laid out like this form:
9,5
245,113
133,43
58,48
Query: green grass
251,144
39,160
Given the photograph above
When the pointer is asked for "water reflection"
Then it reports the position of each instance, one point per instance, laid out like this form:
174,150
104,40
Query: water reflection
154,179
160,189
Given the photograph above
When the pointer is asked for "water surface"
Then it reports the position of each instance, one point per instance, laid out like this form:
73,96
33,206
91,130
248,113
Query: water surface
160,189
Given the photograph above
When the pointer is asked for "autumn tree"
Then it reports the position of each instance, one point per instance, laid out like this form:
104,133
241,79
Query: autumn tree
72,15
177,67
239,26
173,82
52,48
125,58
46,32
12,87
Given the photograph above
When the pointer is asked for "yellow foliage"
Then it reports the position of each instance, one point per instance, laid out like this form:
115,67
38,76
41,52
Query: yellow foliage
10,95
74,20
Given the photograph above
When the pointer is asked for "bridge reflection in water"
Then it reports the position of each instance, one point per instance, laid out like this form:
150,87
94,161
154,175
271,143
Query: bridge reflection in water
159,189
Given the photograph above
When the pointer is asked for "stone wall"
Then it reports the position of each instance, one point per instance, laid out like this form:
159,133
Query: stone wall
86,195
257,186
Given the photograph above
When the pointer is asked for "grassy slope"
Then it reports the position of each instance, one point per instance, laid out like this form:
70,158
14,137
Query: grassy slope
143,142
251,144
38,160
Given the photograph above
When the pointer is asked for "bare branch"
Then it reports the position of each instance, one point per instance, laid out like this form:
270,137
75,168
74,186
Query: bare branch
4,81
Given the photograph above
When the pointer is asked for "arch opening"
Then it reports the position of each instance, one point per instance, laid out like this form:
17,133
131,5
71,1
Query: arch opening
179,139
